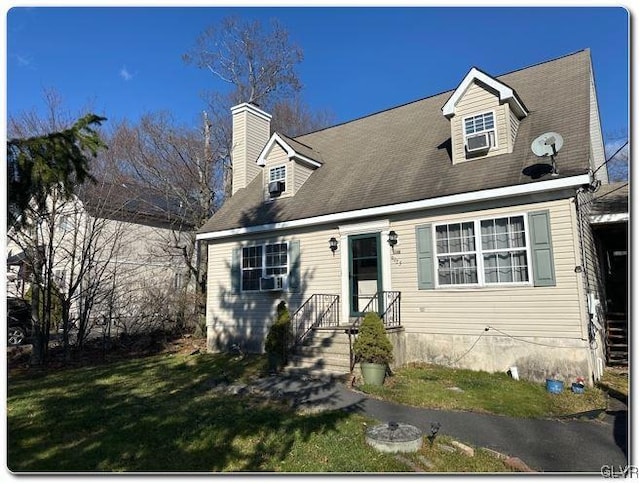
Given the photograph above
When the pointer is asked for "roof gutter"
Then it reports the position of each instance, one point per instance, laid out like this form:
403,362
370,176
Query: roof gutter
461,198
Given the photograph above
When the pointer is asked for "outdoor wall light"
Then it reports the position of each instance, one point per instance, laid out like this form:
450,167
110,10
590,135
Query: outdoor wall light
333,244
393,238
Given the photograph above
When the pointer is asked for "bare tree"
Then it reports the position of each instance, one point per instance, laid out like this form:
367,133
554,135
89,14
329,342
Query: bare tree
618,163
191,168
293,117
258,63
46,159
177,166
258,66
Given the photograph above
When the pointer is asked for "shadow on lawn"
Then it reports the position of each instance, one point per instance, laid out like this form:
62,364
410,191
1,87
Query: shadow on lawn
159,415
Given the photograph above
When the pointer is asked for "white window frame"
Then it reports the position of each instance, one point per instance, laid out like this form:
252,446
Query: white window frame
479,252
275,170
525,248
454,254
492,145
263,267
282,177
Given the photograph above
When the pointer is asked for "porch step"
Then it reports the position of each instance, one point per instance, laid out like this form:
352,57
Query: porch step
322,352
617,339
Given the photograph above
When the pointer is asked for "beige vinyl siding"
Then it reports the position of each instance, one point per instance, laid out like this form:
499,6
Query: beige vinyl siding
277,156
250,134
238,152
514,124
598,156
586,246
477,100
297,174
302,173
524,311
247,316
592,277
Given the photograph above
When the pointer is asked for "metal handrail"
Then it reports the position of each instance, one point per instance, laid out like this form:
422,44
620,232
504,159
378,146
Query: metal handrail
319,310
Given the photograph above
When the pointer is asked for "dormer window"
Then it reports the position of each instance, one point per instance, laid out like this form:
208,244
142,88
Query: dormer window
277,180
479,133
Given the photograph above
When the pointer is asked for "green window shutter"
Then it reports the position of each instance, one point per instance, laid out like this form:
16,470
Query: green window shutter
541,249
236,276
294,271
424,249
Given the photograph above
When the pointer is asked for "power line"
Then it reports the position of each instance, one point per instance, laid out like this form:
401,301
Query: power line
604,194
612,156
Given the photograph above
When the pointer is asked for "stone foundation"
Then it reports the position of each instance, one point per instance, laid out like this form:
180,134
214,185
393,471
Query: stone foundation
535,360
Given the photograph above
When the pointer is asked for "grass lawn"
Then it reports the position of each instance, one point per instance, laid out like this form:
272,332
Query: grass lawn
616,382
455,389
160,413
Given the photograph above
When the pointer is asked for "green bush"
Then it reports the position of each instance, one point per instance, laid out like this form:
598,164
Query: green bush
372,344
279,337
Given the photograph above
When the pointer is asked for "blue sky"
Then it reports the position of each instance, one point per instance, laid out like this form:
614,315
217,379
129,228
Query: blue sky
126,61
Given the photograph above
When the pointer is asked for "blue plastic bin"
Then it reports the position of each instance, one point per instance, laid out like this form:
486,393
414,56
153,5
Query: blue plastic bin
554,386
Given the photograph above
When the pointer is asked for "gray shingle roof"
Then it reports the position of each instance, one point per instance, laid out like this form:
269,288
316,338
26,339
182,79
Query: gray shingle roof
132,203
302,149
612,198
403,154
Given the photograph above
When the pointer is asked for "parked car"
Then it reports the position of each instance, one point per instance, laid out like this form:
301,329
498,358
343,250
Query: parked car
18,321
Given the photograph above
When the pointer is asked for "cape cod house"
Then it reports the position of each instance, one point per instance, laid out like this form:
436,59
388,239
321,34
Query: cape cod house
462,218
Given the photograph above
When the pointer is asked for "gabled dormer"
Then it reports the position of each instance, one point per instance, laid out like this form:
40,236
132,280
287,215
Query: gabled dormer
286,165
484,114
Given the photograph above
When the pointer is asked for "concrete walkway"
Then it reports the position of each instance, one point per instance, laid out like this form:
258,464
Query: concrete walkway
546,445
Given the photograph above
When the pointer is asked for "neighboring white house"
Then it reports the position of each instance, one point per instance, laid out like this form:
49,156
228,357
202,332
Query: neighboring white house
458,217
116,244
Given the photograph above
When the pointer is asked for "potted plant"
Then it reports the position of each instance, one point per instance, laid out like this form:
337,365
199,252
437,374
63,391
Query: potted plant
372,349
277,342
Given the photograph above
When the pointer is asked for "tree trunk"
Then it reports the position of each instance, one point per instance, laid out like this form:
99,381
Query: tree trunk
37,352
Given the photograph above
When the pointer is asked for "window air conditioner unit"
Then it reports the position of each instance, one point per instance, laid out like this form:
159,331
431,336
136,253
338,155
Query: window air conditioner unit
478,142
276,187
272,283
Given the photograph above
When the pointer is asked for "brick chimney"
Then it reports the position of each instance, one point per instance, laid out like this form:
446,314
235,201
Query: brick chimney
250,133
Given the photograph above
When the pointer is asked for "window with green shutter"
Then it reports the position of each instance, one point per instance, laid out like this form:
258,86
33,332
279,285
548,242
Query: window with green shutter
262,267
486,252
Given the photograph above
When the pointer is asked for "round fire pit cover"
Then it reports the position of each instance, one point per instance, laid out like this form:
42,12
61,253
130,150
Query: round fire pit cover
394,437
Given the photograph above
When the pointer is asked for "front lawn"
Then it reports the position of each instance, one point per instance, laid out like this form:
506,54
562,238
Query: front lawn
432,386
162,413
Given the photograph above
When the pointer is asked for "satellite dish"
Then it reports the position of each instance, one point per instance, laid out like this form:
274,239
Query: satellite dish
547,144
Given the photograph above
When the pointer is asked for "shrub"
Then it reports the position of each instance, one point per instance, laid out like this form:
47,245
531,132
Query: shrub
372,344
277,341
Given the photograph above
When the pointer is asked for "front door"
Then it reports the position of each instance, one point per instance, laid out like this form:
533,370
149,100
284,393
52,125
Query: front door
365,274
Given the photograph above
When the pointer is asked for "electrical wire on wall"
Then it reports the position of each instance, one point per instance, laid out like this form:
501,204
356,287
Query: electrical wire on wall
472,346
528,342
488,328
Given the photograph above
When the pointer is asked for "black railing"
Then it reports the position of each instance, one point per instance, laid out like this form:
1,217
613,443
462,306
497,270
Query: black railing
319,311
390,315
391,304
